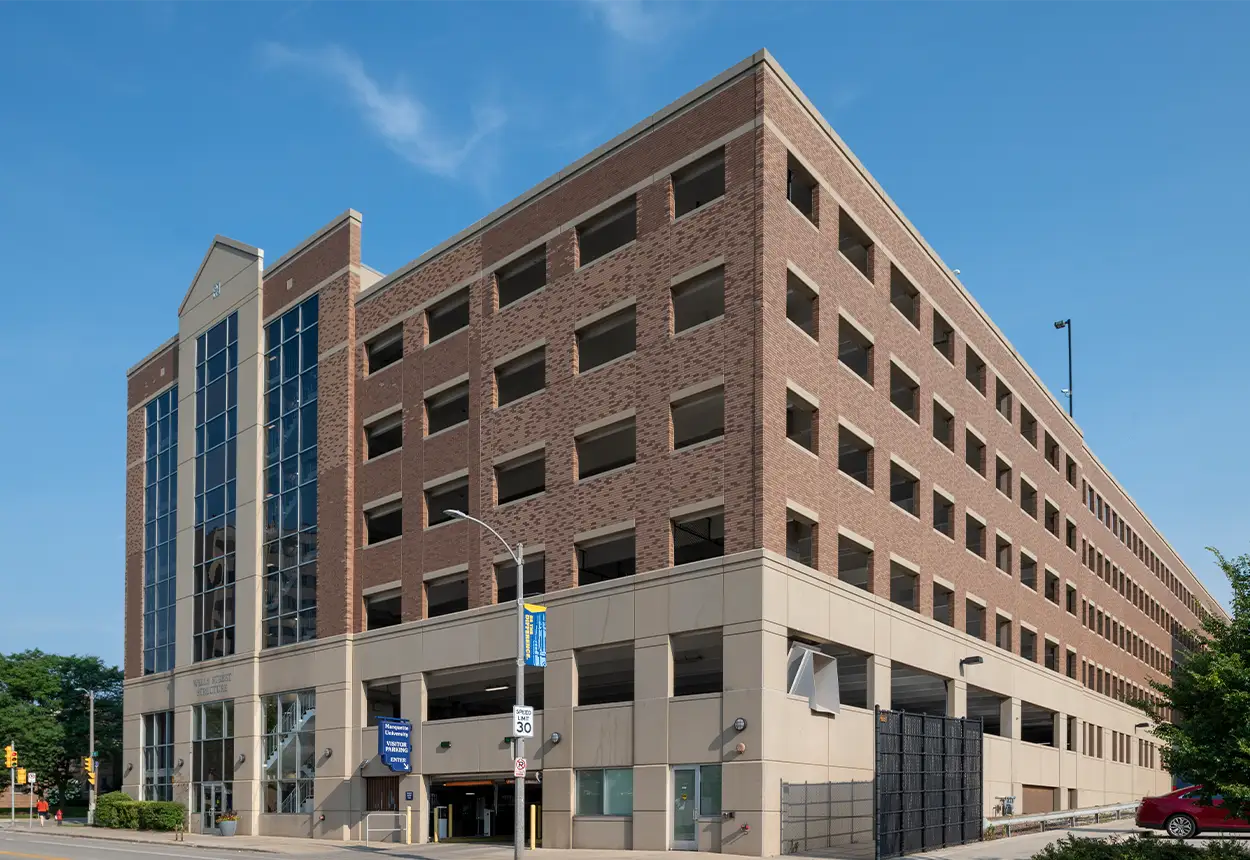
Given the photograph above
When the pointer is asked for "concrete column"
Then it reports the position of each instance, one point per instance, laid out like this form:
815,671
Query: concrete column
559,699
879,677
956,697
1009,718
247,794
653,684
412,701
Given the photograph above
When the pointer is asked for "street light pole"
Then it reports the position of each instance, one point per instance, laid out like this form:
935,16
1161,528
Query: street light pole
1068,391
518,782
90,753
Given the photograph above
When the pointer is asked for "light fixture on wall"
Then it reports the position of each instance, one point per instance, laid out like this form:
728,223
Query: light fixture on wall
740,724
242,758
1141,726
129,767
555,738
975,660
178,765
327,752
444,745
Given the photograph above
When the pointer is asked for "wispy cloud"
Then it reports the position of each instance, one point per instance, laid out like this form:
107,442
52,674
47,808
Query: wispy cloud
637,21
399,117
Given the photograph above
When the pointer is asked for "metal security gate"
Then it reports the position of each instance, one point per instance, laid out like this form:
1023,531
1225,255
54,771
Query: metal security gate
833,819
929,782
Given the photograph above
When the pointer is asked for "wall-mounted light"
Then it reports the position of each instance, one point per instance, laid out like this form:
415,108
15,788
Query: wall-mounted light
1141,726
976,660
242,758
327,752
555,738
178,764
740,748
444,745
740,724
129,767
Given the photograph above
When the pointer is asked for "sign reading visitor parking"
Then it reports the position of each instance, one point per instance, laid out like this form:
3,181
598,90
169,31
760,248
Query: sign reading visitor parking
395,743
522,721
518,768
535,635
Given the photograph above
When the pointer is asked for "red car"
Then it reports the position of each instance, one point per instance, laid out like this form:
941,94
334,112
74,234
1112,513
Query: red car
1179,814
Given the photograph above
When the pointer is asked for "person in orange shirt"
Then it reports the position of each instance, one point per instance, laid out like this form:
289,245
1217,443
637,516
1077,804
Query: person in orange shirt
42,808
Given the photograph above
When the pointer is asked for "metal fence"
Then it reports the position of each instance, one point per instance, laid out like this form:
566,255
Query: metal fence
929,782
827,818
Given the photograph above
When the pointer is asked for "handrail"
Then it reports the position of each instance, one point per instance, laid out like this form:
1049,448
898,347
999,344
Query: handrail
1066,815
370,829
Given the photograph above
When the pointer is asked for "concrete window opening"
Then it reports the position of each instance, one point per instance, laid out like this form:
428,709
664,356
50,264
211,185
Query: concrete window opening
1028,426
1037,725
606,792
605,558
448,316
290,769
385,349
605,449
1051,520
855,350
521,376
447,595
521,277
1028,645
854,244
1028,498
943,337
699,183
801,188
974,620
453,495
535,578
520,478
1002,554
605,675
1052,452
813,674
483,690
988,707
904,489
1028,571
943,605
1002,399
1002,632
904,392
943,425
917,692
607,231
944,515
854,456
1070,472
801,420
904,587
802,305
974,370
904,296
1050,655
698,536
974,453
381,700
384,522
974,535
384,436
699,300
1073,742
607,340
800,539
447,409
1052,587
1002,476
852,672
1069,599
854,563
383,610
699,418
1070,535
698,663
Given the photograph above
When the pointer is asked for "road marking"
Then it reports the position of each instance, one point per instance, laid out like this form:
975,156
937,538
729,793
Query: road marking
94,845
31,856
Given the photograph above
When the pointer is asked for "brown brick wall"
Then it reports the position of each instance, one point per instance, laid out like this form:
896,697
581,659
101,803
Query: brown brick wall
312,266
154,375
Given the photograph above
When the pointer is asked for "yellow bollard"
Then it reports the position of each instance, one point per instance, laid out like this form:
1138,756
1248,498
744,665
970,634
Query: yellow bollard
533,828
407,825
449,819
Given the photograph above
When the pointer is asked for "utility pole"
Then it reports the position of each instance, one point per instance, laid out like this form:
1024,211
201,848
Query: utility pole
518,782
91,753
1068,391
12,756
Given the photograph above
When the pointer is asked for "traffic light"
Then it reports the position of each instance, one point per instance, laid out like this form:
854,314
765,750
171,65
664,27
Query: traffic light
88,769
10,756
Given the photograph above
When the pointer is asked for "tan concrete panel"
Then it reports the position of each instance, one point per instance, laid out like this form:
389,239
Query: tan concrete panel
804,737
807,608
239,275
651,610
695,726
449,645
696,602
388,653
604,834
603,736
650,732
604,619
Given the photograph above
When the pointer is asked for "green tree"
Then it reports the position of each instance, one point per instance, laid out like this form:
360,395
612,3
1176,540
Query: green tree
1203,716
44,711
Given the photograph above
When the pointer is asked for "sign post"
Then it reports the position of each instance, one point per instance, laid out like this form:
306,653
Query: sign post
30,812
518,768
395,743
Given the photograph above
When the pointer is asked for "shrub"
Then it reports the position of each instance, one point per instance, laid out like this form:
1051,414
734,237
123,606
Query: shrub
1147,847
128,815
161,815
107,806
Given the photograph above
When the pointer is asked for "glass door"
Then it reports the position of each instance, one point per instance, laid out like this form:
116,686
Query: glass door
212,804
685,806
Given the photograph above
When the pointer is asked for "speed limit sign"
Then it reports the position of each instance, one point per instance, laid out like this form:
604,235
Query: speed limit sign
522,721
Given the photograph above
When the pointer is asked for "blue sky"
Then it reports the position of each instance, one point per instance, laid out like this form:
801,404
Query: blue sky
1073,160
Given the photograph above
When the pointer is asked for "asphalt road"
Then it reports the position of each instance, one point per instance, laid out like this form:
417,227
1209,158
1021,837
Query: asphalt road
43,847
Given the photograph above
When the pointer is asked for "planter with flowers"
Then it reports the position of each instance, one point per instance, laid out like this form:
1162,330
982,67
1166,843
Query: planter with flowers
227,823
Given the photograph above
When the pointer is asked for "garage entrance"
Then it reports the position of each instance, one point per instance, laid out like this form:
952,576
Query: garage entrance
480,808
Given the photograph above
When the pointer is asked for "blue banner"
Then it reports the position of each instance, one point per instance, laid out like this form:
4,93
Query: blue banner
395,743
535,635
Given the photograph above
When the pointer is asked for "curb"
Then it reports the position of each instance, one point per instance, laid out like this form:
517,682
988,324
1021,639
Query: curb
133,841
